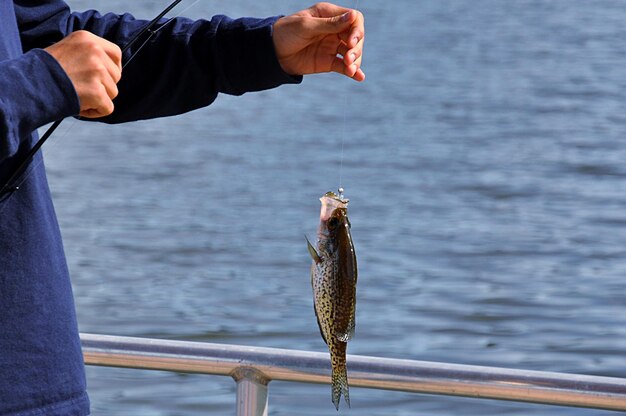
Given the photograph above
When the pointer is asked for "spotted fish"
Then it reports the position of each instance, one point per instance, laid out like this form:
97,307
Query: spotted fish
333,277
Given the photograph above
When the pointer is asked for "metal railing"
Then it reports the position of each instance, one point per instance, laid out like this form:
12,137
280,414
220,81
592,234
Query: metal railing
253,368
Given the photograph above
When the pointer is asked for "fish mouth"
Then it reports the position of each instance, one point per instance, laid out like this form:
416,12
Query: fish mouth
332,195
330,202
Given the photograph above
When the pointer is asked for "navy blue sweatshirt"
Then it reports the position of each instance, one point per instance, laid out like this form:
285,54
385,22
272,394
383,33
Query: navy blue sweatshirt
183,68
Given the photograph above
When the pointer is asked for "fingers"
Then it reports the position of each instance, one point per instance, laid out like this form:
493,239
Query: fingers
356,32
351,61
356,42
351,71
113,64
359,76
113,72
331,25
113,52
349,26
94,66
351,56
356,19
109,85
351,37
327,10
100,106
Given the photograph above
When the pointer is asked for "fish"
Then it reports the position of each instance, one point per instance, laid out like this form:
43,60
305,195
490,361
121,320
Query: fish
333,279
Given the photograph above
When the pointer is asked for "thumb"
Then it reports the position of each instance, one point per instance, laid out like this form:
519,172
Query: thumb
335,24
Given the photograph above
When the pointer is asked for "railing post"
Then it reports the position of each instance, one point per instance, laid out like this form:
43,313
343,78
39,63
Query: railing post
251,392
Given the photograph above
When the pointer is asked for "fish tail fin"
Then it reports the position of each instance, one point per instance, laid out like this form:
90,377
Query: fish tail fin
340,386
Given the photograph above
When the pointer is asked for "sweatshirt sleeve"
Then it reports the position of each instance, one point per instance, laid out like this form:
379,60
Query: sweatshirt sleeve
183,66
35,91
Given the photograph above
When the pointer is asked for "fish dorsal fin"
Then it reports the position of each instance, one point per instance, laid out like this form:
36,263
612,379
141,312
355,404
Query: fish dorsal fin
314,255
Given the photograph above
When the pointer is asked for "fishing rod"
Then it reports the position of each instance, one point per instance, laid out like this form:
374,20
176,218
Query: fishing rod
8,186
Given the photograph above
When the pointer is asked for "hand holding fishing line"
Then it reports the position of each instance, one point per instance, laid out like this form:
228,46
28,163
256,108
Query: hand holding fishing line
94,65
310,41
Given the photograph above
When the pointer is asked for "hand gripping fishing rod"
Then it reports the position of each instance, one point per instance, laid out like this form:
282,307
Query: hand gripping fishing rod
9,184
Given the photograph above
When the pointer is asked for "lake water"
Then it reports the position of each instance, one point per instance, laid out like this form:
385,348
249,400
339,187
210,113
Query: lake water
484,160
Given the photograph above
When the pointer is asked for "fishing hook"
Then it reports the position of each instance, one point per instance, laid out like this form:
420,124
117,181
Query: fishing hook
8,186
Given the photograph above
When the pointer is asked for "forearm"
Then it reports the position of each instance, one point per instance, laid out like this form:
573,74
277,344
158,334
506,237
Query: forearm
187,63
35,91
184,66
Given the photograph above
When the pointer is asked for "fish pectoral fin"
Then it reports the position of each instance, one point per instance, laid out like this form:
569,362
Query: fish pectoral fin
348,334
314,255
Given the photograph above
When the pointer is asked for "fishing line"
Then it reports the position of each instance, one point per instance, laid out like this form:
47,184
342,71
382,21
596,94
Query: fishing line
343,141
344,129
10,185
154,32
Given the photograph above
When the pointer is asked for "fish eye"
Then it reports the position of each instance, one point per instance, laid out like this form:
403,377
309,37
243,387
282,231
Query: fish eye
332,223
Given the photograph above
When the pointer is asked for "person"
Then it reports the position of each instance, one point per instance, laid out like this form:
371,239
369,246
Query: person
55,63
